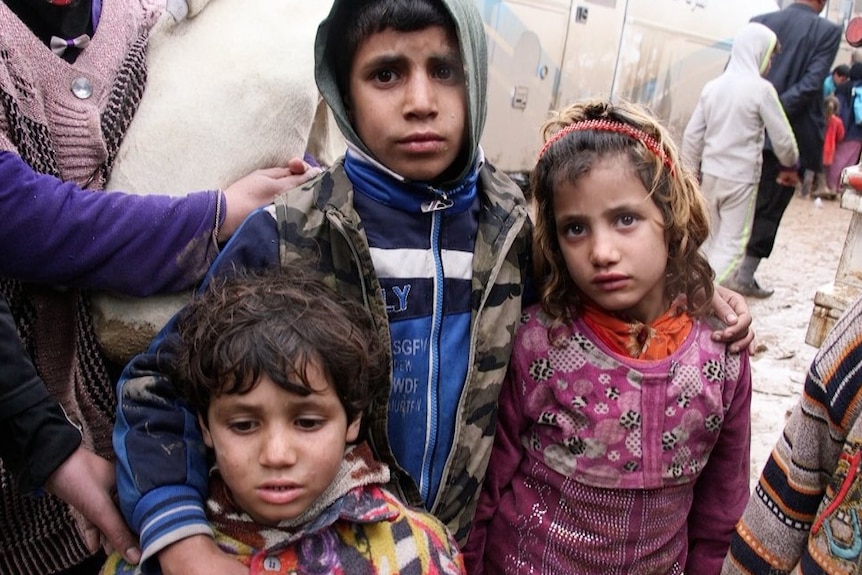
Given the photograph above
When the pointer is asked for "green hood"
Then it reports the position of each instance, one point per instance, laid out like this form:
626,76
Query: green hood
474,53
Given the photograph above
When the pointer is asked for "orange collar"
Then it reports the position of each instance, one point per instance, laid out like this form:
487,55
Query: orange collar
638,340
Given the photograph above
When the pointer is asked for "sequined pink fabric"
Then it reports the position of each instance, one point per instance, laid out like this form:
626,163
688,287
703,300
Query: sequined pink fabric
603,464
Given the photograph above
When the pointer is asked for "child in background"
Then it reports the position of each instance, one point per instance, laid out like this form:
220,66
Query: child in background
724,139
847,151
280,369
834,136
622,442
839,75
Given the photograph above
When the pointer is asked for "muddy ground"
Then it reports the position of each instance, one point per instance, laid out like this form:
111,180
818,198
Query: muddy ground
807,250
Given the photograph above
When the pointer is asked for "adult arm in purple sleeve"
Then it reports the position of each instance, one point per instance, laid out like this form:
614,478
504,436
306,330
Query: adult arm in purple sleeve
55,232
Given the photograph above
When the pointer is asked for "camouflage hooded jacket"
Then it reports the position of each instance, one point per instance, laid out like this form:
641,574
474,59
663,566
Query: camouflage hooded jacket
323,226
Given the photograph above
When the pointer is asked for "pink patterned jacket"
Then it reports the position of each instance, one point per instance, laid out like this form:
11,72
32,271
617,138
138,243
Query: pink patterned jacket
605,464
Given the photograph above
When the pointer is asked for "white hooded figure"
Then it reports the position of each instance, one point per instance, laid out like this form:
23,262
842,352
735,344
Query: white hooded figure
724,139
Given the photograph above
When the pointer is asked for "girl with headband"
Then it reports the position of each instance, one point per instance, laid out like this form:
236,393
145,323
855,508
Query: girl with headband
623,430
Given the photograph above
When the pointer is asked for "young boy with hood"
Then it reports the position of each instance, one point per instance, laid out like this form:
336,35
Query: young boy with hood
412,222
723,140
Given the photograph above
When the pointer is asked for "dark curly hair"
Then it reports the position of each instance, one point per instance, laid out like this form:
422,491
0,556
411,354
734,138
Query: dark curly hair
673,189
274,322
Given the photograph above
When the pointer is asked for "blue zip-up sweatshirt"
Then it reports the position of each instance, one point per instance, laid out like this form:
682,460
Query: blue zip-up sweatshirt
425,273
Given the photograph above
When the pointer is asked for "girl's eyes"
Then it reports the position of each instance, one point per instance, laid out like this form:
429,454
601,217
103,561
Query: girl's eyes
623,221
627,220
575,229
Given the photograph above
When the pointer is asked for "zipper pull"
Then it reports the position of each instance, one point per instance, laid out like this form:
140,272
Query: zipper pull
437,204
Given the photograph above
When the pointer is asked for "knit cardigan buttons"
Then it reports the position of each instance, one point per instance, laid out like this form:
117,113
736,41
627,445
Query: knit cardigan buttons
82,88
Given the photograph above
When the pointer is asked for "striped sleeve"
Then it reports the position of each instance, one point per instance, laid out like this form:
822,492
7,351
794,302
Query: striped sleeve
773,534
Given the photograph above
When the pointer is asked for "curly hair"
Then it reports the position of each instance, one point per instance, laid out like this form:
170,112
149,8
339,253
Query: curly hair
672,188
275,322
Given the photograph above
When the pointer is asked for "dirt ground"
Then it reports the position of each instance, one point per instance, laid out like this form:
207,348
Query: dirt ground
807,250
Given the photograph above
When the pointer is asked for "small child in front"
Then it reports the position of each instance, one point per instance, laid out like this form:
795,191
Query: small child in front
280,369
622,443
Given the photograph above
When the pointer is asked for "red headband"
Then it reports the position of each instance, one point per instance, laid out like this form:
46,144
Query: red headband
602,125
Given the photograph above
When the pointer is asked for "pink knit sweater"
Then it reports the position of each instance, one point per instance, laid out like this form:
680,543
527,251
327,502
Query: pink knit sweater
75,138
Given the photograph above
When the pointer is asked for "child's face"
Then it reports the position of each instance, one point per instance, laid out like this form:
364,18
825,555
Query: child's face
278,451
408,100
612,238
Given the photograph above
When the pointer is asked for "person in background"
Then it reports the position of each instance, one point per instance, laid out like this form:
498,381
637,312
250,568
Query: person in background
414,222
803,516
723,140
809,44
811,180
831,140
71,75
847,151
839,75
280,370
623,432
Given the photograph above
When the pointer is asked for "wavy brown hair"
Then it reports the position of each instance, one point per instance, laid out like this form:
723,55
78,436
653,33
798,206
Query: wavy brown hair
673,189
275,322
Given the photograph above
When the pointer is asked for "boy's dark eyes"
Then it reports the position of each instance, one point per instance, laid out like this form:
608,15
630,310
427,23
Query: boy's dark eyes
444,72
384,76
450,73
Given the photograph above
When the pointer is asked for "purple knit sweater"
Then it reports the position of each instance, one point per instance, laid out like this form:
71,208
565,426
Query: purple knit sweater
604,464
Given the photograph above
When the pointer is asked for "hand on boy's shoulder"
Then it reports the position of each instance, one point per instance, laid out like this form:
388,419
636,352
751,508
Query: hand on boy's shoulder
259,188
